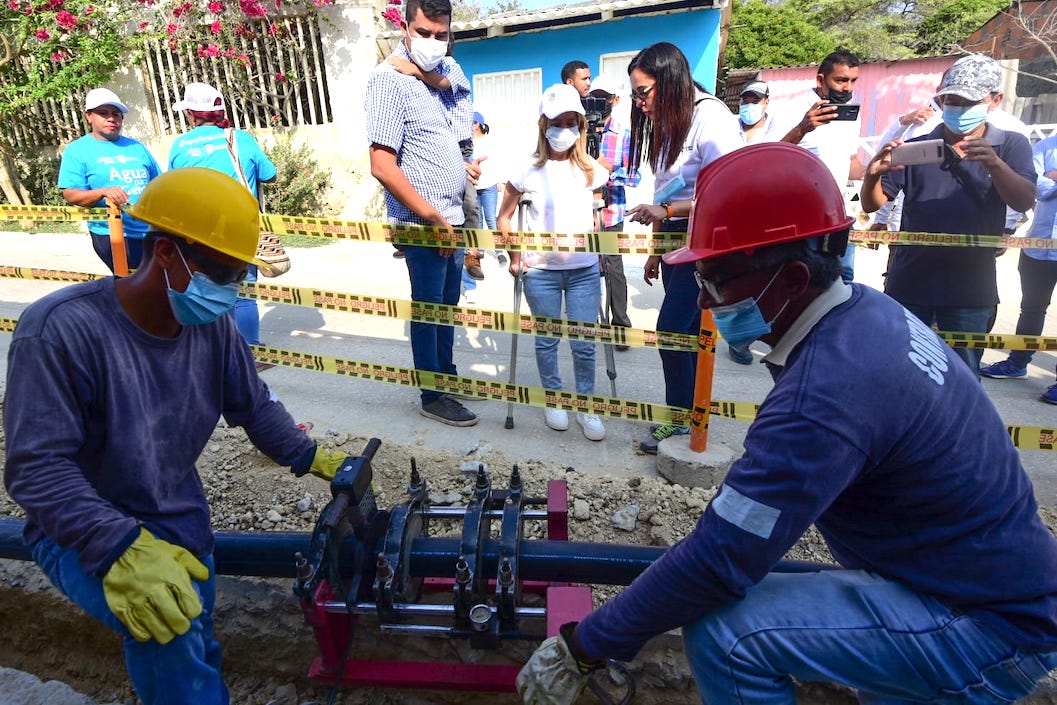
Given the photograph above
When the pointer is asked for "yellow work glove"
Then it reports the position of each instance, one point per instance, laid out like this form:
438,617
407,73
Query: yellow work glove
553,675
325,463
149,588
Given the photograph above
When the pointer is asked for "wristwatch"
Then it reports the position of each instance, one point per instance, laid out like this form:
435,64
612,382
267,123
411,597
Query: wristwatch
667,205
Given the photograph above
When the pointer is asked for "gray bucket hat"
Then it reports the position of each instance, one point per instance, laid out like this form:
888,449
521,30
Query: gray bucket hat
972,77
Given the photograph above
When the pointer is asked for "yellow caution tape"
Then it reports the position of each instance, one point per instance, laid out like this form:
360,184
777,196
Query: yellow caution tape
998,341
609,243
884,237
1024,437
54,275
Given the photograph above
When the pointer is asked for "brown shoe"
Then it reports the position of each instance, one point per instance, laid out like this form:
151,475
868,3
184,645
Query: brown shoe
472,262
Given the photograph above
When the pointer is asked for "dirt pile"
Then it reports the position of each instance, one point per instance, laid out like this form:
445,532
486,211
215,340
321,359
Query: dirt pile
267,646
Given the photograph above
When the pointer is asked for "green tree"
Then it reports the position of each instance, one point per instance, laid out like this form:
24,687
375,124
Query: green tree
773,35
949,22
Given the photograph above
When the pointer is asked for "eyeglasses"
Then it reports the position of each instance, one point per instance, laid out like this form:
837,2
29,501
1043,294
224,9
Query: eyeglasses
641,93
113,114
219,273
714,287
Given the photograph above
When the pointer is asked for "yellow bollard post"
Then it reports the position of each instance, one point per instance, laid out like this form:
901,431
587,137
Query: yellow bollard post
706,363
117,239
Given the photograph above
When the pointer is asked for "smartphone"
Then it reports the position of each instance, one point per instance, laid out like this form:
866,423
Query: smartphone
923,152
846,111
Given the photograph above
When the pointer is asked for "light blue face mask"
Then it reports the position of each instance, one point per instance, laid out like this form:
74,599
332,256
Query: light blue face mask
964,119
750,113
204,301
742,322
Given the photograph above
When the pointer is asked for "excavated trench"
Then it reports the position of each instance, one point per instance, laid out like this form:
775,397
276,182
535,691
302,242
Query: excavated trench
267,646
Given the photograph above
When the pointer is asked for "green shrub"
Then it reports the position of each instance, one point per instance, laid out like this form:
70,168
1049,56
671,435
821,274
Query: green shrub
39,175
300,183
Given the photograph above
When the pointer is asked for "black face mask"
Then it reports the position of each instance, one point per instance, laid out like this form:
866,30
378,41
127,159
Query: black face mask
839,97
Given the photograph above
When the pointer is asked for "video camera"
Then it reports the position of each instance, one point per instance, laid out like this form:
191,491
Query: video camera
594,109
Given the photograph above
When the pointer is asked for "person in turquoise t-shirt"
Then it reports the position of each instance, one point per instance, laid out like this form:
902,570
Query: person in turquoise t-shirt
105,167
206,145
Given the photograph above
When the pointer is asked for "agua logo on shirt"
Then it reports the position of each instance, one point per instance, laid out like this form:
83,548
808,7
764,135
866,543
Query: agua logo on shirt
926,350
129,176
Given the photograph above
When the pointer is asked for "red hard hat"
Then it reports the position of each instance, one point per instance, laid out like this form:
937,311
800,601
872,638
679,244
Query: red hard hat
761,195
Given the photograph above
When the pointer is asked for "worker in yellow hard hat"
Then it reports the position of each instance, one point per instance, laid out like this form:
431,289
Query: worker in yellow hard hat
114,387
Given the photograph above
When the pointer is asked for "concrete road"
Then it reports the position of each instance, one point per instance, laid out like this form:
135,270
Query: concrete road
391,413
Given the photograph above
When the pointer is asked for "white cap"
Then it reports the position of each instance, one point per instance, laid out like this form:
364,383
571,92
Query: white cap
103,96
758,87
606,84
200,97
560,98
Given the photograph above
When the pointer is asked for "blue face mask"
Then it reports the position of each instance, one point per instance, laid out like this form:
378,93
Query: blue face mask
964,119
204,301
750,113
742,322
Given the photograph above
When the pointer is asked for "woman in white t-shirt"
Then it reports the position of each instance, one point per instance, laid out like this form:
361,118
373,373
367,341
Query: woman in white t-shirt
559,183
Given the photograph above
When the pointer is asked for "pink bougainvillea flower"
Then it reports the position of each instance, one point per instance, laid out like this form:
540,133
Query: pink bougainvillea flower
215,27
172,28
216,7
42,35
65,20
280,77
13,4
58,56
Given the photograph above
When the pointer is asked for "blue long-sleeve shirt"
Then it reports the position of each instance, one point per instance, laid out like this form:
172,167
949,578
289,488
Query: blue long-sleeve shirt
1044,224
876,433
104,422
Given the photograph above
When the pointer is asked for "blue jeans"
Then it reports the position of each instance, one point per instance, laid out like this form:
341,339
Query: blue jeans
847,264
852,627
583,292
486,204
1038,278
184,671
434,279
679,314
969,320
247,320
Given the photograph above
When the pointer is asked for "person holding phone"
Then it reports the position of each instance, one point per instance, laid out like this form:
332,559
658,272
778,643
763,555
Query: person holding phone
815,125
984,170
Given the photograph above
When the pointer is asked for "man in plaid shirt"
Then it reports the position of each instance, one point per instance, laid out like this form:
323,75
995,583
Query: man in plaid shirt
614,150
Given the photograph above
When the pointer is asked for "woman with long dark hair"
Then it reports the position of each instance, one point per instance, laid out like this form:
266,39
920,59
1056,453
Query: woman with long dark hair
677,127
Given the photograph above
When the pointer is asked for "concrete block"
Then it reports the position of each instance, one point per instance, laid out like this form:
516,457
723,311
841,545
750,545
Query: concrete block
677,463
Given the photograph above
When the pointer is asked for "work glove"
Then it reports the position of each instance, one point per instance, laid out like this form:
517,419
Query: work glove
149,588
553,675
325,463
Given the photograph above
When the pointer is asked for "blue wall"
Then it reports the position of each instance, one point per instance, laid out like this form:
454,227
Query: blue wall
696,33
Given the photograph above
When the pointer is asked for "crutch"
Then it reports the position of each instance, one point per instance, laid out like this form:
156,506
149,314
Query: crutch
604,306
519,283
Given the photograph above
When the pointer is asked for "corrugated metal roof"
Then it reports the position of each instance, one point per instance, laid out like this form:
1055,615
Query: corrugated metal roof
584,13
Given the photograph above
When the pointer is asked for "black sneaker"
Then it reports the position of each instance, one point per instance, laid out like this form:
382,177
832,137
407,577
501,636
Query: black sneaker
658,434
447,410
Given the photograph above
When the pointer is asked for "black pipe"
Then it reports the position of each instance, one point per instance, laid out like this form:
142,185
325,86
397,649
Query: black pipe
271,555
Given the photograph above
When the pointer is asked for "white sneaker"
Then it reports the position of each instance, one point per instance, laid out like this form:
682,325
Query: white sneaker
592,427
557,419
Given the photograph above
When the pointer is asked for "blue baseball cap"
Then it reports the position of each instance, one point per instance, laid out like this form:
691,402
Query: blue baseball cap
478,118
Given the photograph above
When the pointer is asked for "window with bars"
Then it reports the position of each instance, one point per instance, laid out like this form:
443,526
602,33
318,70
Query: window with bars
282,82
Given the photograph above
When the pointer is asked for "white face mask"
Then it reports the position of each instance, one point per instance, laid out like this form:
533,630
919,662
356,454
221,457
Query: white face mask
427,53
561,139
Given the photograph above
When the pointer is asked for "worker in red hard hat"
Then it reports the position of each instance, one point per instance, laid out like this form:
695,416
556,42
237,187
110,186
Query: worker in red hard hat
945,588
113,389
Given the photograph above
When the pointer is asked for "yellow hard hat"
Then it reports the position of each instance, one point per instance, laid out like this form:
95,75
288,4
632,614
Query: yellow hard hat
203,206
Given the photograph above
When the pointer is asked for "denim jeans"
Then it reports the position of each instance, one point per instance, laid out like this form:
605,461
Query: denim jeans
582,290
186,670
247,319
434,279
969,320
679,314
1037,280
852,627
847,264
133,250
486,203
